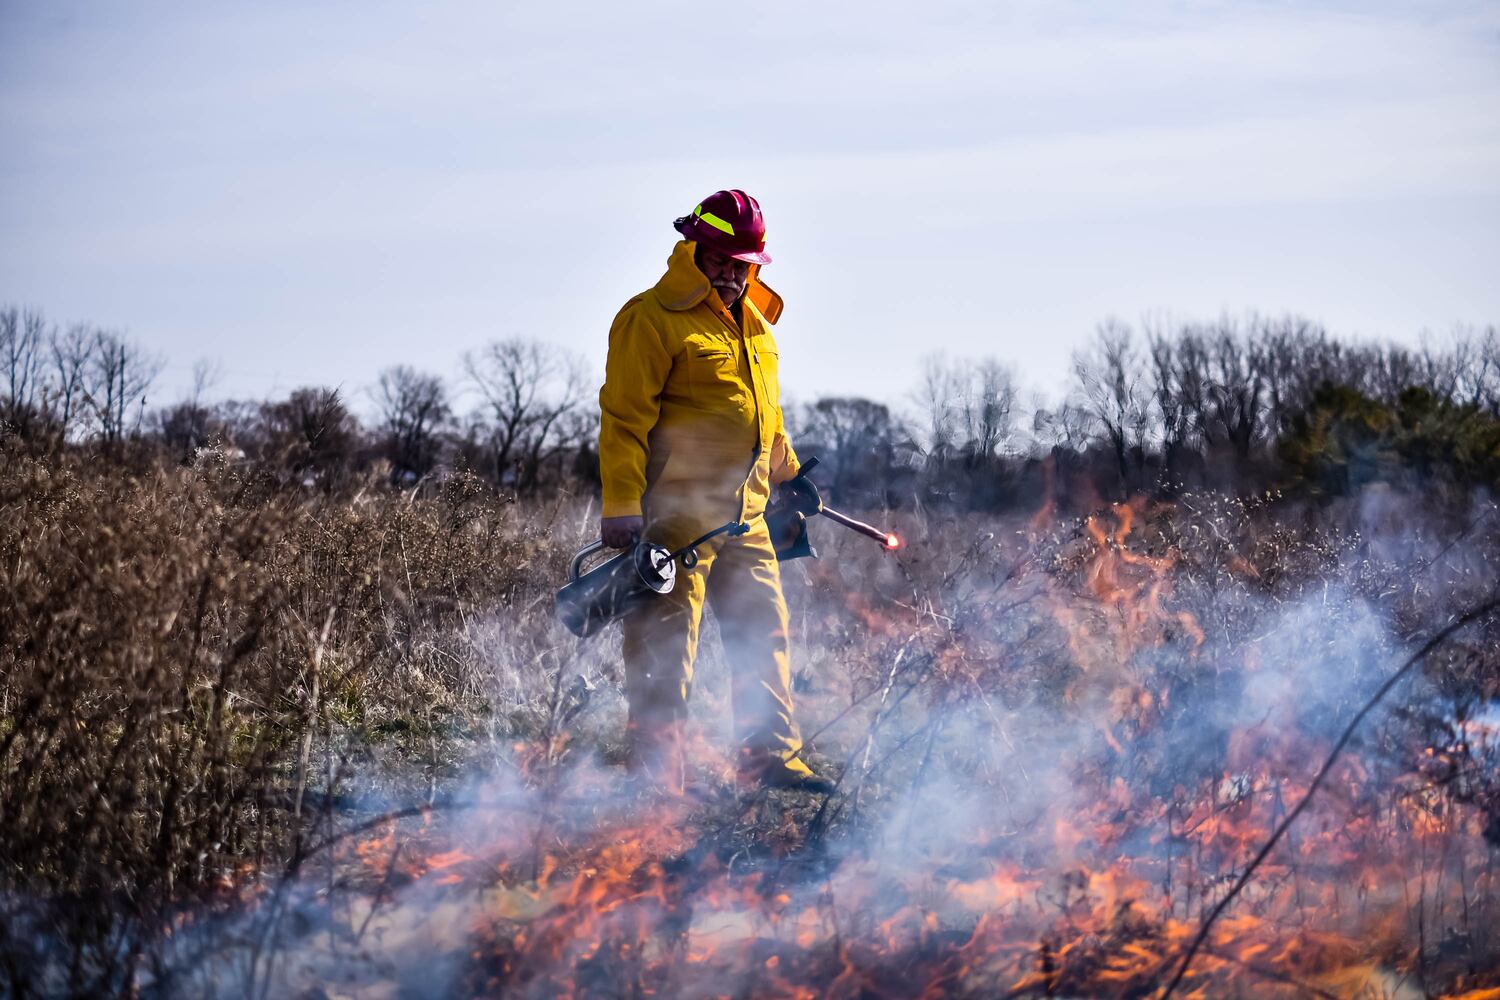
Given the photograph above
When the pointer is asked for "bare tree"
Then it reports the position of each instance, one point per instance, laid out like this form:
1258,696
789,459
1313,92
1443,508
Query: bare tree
23,342
413,409
861,437
1294,358
1069,427
935,395
115,376
529,390
1485,376
968,406
1173,424
69,352
1109,379
987,407
190,424
1467,370
1237,384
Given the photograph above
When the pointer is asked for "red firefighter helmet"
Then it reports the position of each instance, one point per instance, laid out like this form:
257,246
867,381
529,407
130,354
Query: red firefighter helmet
728,221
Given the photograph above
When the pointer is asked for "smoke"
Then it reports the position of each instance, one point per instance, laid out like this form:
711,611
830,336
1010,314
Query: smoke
1054,755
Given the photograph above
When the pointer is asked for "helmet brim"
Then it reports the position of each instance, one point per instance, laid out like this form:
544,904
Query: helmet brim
686,228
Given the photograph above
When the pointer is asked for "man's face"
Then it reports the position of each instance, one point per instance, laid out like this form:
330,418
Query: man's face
727,275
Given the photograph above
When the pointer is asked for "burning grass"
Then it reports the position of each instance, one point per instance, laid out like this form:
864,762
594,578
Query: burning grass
257,743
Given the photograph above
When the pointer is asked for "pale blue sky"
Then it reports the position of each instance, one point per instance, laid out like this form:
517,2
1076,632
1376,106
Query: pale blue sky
309,192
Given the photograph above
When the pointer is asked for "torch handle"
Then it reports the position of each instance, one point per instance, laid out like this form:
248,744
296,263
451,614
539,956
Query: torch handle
868,530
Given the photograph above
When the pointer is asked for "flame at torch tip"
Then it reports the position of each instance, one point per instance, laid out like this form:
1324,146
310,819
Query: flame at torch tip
892,542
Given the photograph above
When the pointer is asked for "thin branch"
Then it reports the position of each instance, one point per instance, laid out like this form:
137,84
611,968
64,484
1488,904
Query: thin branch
1474,613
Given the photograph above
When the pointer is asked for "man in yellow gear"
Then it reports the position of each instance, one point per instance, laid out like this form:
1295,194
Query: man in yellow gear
691,436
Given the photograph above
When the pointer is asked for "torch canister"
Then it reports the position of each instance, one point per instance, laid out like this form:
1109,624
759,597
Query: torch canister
590,601
612,589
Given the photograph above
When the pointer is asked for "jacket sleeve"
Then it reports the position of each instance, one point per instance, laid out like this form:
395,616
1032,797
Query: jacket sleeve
784,463
629,403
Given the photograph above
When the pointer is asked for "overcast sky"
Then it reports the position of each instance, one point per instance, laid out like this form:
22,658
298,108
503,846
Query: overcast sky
308,192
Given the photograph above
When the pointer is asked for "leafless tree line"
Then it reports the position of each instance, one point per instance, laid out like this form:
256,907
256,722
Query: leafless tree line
531,424
1152,405
1152,408
73,381
1168,397
532,420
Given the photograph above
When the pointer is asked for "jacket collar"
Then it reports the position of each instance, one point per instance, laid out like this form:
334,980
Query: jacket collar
683,286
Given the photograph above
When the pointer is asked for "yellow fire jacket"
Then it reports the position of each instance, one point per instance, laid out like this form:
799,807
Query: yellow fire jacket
691,418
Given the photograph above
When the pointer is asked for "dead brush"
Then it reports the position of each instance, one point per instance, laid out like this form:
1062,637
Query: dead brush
189,660
212,677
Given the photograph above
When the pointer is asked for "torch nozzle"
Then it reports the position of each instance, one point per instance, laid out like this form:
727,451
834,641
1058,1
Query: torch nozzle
886,538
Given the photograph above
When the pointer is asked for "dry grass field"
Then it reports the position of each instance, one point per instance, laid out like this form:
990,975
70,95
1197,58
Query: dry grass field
265,740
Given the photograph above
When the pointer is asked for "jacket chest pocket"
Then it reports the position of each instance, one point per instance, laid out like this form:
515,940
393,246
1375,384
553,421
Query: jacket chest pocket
770,371
714,376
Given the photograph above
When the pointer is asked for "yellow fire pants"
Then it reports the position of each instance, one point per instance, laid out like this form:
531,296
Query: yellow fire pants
740,580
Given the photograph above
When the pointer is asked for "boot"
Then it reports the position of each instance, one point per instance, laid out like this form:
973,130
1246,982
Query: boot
791,775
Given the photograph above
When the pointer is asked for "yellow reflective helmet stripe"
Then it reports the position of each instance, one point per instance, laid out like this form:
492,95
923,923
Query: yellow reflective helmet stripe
714,220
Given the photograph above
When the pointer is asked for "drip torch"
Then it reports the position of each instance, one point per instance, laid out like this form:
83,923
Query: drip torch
589,601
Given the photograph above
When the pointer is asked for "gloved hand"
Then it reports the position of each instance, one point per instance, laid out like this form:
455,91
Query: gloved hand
801,494
621,532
